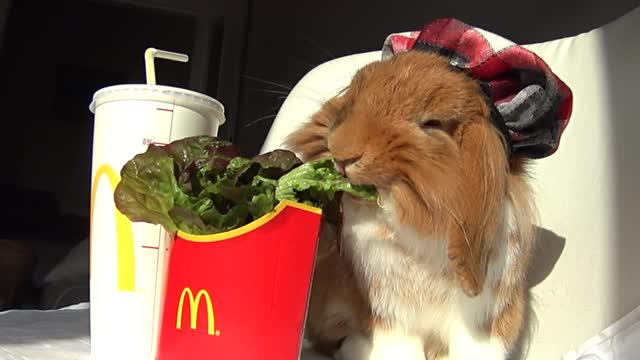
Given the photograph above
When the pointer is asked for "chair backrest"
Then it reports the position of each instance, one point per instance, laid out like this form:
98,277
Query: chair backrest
588,192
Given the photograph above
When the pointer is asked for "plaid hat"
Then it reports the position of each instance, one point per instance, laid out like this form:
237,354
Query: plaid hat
530,104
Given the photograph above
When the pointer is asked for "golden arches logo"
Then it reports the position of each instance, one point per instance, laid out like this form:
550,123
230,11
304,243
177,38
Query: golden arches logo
194,306
125,249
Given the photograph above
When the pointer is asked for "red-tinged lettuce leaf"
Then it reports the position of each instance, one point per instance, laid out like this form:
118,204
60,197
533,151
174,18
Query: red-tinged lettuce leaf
201,185
148,188
276,163
207,151
199,157
198,185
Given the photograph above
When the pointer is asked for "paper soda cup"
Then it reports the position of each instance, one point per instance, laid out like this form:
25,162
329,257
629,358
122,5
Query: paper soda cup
128,259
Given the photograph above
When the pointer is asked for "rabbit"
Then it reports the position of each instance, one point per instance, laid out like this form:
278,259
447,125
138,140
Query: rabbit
336,308
440,259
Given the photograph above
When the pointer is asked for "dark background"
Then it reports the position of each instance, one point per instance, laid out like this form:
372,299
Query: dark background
55,54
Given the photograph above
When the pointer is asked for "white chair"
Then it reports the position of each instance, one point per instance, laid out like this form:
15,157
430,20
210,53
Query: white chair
588,191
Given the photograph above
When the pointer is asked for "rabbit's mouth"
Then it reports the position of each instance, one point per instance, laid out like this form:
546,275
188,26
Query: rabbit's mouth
342,165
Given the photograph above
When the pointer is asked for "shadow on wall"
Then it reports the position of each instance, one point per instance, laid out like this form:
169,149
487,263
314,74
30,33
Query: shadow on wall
622,57
548,252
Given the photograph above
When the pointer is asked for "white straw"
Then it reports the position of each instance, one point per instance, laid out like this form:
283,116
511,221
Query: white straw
149,61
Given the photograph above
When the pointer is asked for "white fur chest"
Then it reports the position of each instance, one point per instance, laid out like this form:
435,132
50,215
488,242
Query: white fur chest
406,277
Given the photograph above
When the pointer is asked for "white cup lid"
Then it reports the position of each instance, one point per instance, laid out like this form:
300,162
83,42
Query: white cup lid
206,105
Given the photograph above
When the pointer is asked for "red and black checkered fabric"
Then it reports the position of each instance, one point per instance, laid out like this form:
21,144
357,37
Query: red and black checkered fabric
532,105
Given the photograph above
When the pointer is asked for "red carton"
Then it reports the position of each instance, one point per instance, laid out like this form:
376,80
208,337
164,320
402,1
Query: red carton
242,294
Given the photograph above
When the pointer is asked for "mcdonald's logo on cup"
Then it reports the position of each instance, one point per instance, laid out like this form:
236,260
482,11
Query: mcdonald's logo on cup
125,266
194,306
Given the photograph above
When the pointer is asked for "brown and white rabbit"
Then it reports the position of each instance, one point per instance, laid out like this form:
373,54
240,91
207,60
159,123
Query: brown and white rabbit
443,253
336,307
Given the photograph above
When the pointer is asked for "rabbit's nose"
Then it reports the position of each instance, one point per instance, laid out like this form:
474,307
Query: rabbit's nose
341,165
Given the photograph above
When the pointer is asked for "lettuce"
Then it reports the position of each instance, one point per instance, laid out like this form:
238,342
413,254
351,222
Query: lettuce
201,185
316,183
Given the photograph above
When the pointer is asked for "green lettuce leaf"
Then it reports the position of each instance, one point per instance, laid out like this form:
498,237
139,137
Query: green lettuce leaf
190,222
316,183
171,177
201,185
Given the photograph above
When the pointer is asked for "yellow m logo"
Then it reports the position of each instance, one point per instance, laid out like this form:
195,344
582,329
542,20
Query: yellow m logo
125,251
194,305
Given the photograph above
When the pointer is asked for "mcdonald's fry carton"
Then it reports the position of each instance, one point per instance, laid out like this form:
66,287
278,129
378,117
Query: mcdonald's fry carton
128,259
241,294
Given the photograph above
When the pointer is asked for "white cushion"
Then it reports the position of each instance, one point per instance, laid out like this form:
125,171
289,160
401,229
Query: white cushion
587,191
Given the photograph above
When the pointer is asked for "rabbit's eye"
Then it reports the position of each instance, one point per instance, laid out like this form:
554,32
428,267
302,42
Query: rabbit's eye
432,124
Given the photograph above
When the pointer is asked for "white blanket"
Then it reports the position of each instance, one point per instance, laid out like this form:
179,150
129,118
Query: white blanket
45,335
64,335
620,341
53,335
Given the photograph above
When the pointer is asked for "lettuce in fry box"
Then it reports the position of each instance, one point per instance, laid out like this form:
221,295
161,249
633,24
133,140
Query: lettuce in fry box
241,263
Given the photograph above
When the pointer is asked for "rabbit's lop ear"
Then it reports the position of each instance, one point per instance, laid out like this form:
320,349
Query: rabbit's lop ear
477,209
310,140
